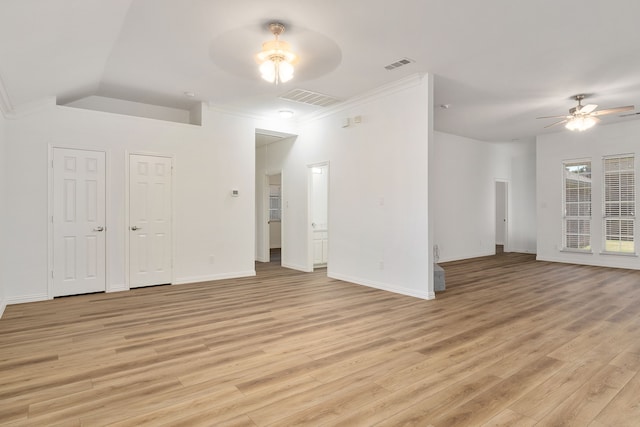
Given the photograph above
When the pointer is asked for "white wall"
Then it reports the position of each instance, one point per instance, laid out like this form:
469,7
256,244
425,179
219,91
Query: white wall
3,243
464,176
522,196
552,150
378,210
210,161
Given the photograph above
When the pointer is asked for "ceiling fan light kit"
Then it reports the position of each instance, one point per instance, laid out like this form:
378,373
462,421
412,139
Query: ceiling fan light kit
583,117
276,58
581,123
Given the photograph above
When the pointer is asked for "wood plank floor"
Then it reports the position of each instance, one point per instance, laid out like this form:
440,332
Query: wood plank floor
511,342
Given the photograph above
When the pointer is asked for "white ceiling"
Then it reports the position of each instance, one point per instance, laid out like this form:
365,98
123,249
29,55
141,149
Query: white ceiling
498,63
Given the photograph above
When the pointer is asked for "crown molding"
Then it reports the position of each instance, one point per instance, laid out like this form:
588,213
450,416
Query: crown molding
376,93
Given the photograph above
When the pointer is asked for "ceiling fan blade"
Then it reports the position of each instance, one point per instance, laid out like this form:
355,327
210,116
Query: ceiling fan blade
630,114
556,123
612,110
588,108
552,117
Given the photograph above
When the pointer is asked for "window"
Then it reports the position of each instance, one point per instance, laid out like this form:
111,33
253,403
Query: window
275,203
577,205
619,204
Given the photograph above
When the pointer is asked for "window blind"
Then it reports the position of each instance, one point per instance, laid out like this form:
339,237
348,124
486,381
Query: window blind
619,204
577,205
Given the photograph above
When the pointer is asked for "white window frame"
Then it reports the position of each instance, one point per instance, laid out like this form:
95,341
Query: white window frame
577,209
619,204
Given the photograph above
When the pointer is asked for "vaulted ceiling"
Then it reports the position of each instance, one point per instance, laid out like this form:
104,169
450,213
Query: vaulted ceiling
498,64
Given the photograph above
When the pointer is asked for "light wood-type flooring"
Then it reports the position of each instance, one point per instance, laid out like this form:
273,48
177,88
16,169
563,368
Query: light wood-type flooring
511,342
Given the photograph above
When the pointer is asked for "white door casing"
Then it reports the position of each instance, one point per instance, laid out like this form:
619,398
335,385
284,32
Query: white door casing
150,228
78,219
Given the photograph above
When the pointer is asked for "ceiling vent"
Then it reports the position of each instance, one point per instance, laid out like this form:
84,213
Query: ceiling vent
399,63
310,98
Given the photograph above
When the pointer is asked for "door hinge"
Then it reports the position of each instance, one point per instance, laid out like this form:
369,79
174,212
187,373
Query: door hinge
52,274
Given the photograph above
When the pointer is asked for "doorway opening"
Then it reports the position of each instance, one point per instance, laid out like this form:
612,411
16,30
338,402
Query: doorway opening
272,148
319,215
274,215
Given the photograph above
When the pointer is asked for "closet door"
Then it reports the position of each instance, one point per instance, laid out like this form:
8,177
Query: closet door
79,241
150,255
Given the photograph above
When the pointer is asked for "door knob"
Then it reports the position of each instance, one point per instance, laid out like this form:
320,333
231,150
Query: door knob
134,228
101,228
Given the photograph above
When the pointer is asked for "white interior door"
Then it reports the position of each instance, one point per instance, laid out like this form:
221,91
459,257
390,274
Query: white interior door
501,213
78,222
150,256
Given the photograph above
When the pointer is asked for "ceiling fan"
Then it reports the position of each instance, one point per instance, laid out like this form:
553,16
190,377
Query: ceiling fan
582,117
630,114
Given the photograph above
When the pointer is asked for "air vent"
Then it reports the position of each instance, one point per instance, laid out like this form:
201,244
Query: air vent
400,63
310,98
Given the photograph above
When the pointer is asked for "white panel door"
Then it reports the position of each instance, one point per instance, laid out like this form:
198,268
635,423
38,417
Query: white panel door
150,260
78,222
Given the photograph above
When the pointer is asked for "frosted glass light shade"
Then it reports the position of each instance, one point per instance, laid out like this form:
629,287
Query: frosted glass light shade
276,70
286,71
268,71
580,123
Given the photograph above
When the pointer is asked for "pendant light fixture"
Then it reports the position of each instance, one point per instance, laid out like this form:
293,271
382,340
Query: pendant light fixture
276,59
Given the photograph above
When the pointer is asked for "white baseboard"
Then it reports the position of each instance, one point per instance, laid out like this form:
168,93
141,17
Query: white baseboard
117,288
3,305
27,298
303,268
197,279
588,260
383,286
521,251
466,256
